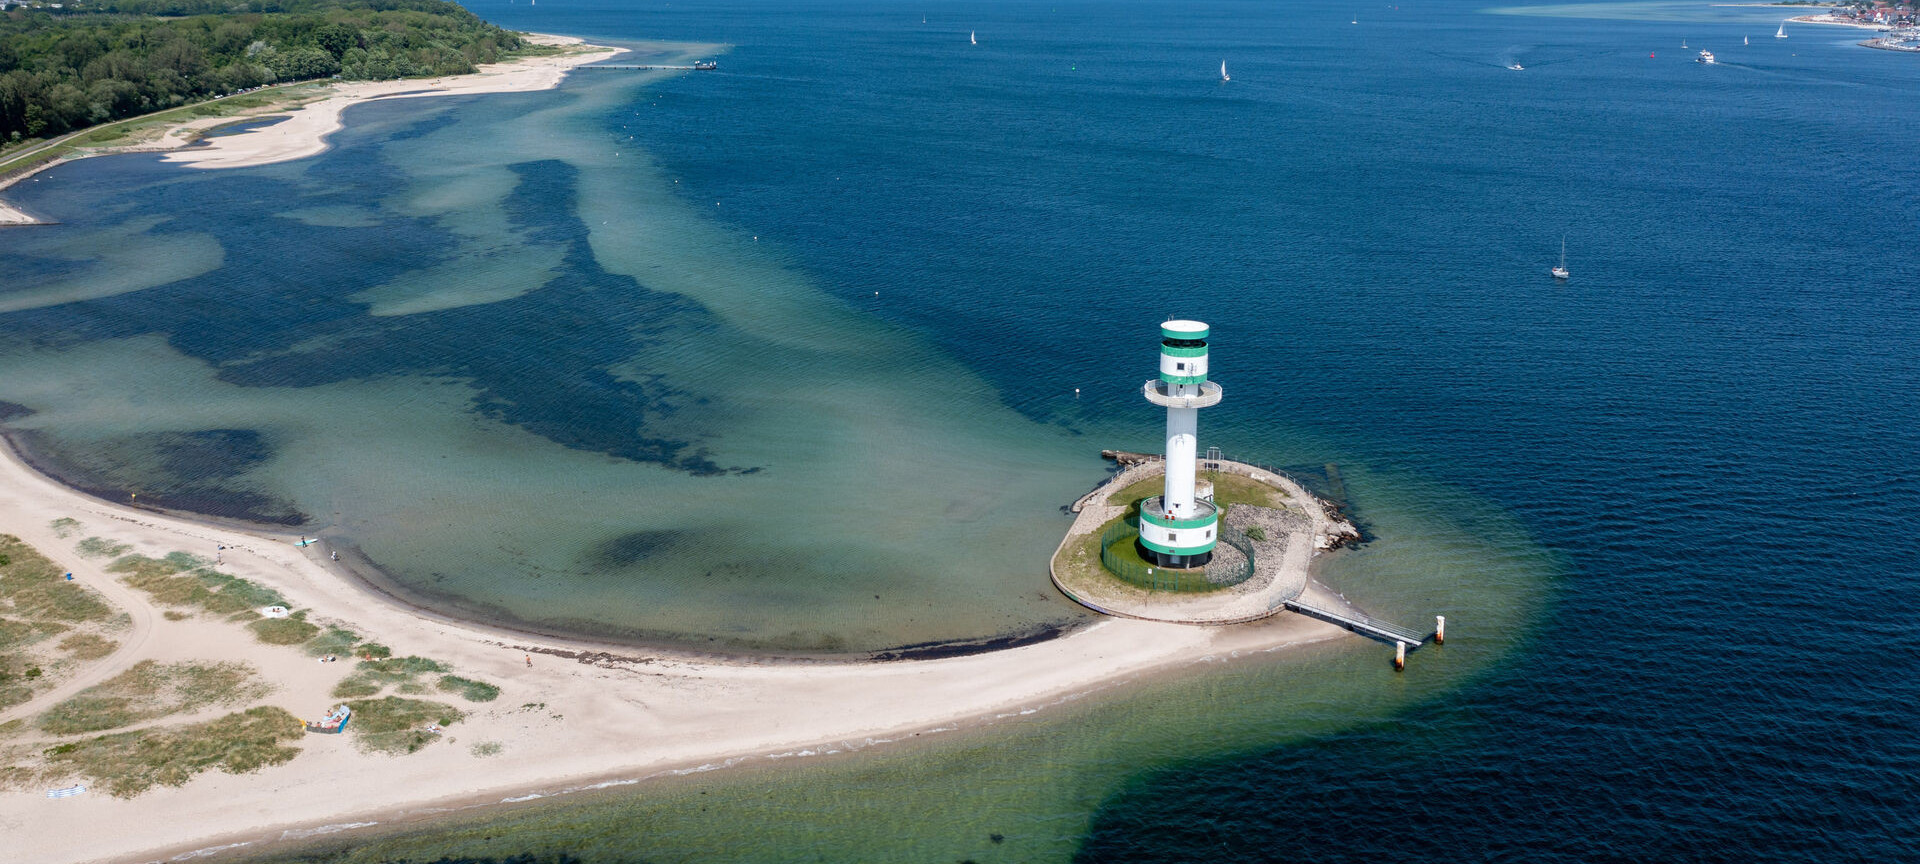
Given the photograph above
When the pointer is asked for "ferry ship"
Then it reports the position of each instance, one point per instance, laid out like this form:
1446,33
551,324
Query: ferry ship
704,65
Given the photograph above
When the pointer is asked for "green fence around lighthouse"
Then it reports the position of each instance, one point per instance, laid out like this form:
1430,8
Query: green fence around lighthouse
1119,553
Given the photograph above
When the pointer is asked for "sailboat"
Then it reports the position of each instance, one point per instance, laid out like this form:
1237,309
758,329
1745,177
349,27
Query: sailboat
1782,33
1683,43
972,38
1223,72
1745,41
1561,271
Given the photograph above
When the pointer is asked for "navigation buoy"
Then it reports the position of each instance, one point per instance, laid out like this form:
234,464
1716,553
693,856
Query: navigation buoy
1399,656
1439,629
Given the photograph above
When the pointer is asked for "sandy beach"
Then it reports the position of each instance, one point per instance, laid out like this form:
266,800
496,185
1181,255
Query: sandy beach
304,131
607,714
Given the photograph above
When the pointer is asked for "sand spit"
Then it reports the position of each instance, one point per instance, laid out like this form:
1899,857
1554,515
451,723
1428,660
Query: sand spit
560,724
304,132
306,127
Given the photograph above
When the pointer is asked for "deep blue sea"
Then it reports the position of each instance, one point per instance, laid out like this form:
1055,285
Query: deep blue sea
1693,456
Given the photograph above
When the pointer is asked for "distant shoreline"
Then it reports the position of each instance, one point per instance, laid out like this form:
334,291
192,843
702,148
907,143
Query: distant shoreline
1829,21
307,127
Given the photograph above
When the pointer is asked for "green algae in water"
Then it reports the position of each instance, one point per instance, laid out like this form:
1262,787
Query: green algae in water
1038,782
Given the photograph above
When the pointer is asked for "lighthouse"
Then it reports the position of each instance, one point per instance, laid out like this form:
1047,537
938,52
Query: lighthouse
1178,529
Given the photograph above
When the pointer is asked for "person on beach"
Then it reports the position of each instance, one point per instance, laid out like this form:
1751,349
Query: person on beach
529,661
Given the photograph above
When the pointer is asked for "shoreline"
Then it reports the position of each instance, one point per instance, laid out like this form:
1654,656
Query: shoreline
1829,21
629,717
355,568
307,126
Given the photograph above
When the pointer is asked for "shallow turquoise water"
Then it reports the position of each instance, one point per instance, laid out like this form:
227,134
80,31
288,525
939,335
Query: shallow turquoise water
1665,506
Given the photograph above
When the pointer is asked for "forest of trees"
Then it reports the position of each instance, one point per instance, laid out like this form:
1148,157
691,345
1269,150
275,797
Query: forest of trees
91,62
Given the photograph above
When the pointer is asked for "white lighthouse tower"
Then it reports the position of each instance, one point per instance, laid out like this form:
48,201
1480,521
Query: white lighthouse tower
1177,529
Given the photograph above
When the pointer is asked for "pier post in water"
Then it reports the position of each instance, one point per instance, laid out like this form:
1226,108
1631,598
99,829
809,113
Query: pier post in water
1439,629
1399,656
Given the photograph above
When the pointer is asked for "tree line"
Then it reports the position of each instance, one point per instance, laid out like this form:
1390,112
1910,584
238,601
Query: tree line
93,62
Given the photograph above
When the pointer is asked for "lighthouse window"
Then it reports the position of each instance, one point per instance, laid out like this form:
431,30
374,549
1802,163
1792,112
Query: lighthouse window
1180,366
1173,536
1209,534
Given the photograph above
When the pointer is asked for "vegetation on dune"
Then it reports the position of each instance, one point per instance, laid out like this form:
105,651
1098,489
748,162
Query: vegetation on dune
128,763
150,690
187,581
334,641
38,603
100,60
470,690
98,547
88,646
291,630
398,726
372,676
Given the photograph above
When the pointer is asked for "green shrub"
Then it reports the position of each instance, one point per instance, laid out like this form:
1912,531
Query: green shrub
397,726
472,691
334,641
292,630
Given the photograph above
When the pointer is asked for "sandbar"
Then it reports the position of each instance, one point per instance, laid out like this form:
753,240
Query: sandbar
610,713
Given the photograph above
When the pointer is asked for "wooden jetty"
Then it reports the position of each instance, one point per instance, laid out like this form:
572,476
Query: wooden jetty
1361,623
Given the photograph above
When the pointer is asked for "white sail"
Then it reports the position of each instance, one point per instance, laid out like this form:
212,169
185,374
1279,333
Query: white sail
1744,41
972,38
1782,34
1223,71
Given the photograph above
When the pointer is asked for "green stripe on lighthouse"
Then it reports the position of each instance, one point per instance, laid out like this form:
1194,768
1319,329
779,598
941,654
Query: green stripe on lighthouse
1170,333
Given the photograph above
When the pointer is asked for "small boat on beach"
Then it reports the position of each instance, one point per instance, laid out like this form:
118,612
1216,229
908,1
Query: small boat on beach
1561,272
333,724
1705,57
